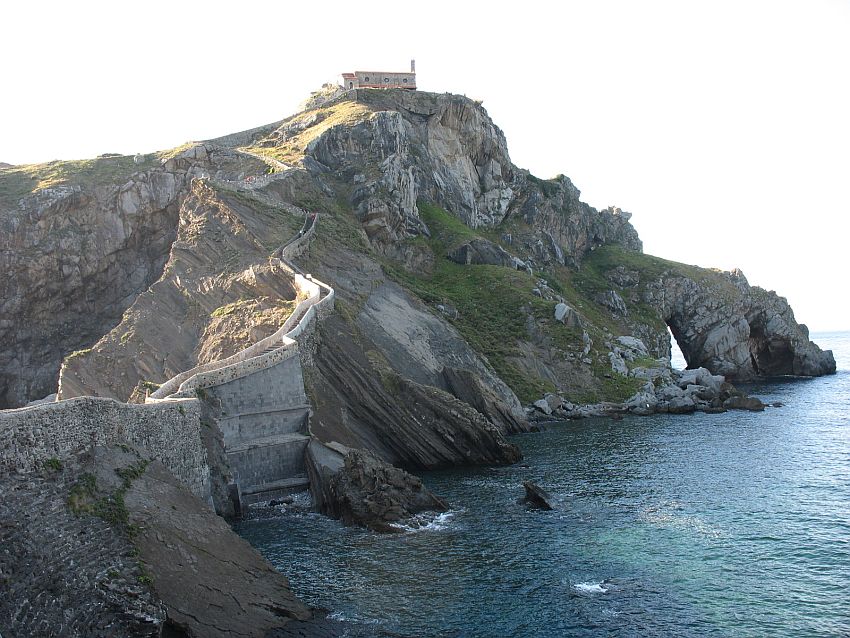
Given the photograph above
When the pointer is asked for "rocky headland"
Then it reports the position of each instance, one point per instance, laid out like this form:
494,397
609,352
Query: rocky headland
469,299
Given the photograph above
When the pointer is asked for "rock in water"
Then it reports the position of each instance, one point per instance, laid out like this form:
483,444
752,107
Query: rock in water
536,496
360,489
743,403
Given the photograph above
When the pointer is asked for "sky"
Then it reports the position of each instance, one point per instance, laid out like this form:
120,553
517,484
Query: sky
723,126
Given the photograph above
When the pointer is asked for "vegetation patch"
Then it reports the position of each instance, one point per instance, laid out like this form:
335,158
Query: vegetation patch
84,498
19,181
306,127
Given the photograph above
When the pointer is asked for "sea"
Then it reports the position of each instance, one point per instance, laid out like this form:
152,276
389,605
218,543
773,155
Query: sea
734,524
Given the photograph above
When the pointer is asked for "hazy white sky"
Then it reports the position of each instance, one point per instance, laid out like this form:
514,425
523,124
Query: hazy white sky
723,126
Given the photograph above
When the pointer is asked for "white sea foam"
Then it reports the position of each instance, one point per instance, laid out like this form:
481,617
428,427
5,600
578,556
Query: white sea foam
592,588
427,521
353,618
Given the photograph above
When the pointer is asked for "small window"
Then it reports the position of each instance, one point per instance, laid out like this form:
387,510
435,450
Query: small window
404,80
351,85
366,79
386,80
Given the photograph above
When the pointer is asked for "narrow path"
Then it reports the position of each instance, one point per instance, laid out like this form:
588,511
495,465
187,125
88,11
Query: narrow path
263,408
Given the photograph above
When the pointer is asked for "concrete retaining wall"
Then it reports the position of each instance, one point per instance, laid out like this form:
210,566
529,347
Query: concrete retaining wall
170,431
275,394
261,466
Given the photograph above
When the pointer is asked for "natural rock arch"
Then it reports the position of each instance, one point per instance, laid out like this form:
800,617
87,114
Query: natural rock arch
743,332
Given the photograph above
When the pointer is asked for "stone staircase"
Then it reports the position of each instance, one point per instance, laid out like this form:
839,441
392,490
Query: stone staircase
264,411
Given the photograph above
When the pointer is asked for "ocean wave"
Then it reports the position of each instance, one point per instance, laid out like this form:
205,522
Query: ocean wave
353,618
590,588
427,521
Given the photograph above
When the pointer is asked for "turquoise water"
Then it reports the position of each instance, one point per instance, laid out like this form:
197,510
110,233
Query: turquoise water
735,524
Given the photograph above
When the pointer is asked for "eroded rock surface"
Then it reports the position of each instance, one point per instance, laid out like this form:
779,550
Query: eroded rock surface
360,489
734,329
111,544
364,404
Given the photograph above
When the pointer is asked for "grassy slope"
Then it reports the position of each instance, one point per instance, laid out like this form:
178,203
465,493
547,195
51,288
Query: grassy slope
19,181
315,122
493,305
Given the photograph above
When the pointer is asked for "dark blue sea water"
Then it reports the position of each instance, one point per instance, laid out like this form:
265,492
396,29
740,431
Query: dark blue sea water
735,525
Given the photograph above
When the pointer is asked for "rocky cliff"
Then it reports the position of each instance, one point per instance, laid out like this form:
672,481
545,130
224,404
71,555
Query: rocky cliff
466,291
79,242
445,256
109,543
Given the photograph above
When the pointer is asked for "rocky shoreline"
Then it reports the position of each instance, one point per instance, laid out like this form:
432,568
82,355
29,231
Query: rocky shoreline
465,288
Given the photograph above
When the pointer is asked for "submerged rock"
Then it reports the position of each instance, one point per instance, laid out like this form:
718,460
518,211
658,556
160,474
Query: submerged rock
743,403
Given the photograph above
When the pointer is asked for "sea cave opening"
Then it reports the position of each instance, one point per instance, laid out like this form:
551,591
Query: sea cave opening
678,361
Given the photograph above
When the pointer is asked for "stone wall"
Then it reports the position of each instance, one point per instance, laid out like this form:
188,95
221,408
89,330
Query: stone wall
252,358
170,431
277,391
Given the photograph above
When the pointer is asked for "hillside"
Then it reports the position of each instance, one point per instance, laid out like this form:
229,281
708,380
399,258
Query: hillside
370,282
423,214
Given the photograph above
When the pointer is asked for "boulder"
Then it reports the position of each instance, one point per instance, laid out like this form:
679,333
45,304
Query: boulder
681,405
618,364
553,400
543,406
536,496
613,302
358,488
480,252
567,316
668,392
633,345
701,376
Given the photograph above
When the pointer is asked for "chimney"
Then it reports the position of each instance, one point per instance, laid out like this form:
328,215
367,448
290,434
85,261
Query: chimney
413,66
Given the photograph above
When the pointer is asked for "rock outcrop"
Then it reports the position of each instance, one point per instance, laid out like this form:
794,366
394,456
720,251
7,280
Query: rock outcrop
362,403
77,253
740,331
111,539
536,496
360,489
217,295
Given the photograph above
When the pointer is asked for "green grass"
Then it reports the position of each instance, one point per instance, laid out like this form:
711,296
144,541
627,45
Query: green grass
493,302
85,499
447,231
19,181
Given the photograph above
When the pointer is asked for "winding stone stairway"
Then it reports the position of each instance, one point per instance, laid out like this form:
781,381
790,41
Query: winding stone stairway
264,411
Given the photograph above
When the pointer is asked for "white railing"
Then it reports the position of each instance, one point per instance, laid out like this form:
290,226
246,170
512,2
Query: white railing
258,356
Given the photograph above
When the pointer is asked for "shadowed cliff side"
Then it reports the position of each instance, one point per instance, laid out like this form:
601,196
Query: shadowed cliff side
218,294
78,242
111,539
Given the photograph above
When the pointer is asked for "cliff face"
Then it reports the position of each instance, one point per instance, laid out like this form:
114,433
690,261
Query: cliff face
111,539
217,295
79,241
742,332
73,259
444,254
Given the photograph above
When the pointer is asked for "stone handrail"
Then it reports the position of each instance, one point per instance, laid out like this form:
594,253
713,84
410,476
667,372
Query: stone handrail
258,355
